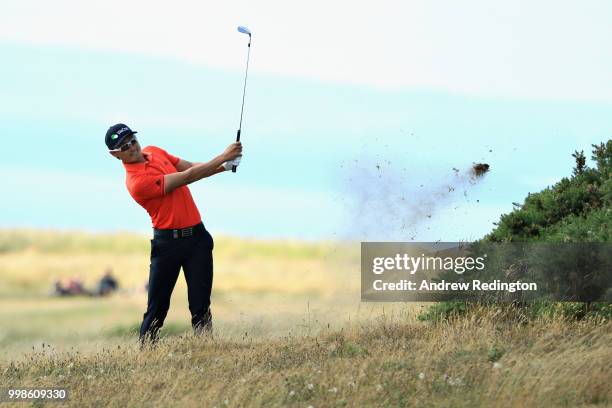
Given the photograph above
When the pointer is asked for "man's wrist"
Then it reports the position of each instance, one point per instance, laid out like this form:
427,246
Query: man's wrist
219,160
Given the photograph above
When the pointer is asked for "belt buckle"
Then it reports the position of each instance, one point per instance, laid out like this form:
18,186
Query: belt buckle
187,232
175,234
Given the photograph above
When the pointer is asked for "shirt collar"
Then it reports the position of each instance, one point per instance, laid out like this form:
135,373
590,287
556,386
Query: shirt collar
134,167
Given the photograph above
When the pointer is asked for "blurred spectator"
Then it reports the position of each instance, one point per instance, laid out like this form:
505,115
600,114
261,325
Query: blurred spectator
75,287
59,289
107,284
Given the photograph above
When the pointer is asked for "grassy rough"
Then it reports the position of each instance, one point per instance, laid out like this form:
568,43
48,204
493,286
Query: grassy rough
391,362
287,334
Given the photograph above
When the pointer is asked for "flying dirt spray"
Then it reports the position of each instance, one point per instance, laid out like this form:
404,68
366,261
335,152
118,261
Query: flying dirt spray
388,204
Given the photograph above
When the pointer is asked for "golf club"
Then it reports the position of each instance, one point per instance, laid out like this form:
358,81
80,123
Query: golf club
243,30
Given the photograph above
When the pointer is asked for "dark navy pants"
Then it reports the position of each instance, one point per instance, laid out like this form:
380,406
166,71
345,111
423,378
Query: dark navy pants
168,254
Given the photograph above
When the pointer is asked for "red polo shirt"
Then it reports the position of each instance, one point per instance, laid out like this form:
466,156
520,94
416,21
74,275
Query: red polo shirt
145,182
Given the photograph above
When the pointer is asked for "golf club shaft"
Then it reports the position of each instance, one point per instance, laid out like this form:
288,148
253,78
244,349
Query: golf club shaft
246,73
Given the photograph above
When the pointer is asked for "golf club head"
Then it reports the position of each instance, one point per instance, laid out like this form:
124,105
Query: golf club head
244,30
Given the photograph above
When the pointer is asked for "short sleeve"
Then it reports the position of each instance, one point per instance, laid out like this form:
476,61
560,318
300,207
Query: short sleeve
173,159
147,186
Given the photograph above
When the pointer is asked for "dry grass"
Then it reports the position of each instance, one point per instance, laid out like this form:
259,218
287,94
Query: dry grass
268,288
30,261
289,331
390,361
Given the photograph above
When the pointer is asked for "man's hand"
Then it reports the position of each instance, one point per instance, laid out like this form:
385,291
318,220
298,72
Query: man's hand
232,151
228,165
199,171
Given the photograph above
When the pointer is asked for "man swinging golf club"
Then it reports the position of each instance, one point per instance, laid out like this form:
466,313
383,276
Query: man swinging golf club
158,182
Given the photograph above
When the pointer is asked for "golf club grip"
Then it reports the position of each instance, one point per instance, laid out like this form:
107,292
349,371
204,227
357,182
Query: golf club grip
237,139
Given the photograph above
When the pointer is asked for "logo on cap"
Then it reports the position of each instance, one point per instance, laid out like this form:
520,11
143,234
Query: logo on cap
114,136
122,130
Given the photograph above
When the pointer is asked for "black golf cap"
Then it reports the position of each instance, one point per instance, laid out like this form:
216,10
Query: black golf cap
116,134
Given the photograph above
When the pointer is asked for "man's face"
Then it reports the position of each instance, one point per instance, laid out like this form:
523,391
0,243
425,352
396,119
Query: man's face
132,154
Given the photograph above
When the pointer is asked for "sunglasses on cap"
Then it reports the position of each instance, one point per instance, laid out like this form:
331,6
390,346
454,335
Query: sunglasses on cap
126,146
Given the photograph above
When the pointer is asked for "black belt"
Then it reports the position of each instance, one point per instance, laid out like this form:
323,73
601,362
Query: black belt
178,233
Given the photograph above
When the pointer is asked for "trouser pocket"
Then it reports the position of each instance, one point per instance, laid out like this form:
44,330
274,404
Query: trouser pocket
208,240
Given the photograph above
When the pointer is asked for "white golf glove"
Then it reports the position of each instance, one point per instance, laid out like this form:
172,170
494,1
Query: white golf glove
228,165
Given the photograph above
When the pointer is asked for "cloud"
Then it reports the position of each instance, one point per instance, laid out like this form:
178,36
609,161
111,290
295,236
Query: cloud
476,46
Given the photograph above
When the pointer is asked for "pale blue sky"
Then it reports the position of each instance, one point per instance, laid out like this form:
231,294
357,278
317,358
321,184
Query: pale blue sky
313,138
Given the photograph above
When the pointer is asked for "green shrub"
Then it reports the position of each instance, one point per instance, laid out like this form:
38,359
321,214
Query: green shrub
444,311
575,210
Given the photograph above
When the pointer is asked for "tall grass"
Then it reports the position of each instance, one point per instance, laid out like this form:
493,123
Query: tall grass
289,331
392,361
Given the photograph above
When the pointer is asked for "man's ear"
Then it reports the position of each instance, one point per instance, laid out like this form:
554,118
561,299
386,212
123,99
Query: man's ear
114,155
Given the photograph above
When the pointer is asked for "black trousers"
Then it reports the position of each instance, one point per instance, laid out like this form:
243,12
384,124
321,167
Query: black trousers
168,254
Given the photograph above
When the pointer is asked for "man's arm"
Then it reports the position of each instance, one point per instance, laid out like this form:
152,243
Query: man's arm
183,165
194,172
